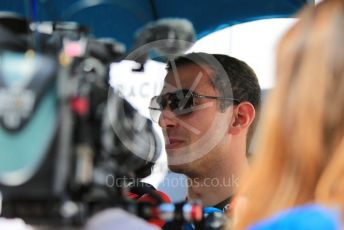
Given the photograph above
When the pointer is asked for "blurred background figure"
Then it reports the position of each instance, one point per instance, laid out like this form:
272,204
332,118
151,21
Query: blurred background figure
299,165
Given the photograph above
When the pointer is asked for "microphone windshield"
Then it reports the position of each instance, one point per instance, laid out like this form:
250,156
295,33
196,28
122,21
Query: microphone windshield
169,37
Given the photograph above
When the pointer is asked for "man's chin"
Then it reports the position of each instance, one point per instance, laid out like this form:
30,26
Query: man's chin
175,152
182,168
186,168
177,157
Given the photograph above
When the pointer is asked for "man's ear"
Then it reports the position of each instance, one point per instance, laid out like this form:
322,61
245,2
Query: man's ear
243,116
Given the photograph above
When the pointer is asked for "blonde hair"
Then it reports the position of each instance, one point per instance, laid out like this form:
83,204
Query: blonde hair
300,156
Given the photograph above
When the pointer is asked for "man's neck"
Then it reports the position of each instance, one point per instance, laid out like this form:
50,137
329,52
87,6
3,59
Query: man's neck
217,184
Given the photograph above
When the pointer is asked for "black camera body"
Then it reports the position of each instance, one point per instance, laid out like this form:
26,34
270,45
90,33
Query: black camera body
61,126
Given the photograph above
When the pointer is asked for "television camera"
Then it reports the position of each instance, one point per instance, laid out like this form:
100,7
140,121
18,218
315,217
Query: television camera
62,129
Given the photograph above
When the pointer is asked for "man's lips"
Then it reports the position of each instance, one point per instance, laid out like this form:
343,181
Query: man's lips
172,143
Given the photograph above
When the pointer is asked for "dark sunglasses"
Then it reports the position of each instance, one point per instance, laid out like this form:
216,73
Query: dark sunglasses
181,102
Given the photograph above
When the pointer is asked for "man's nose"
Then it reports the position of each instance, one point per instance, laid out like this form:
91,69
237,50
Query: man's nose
167,118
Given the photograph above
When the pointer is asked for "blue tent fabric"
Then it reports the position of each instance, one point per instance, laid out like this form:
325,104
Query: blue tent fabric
120,19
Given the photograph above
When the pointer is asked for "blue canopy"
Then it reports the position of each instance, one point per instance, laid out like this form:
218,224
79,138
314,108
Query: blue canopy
120,19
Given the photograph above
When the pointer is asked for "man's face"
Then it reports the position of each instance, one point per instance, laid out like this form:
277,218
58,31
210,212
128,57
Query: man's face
191,139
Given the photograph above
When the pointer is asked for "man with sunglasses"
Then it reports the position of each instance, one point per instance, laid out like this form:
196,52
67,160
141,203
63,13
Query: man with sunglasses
206,111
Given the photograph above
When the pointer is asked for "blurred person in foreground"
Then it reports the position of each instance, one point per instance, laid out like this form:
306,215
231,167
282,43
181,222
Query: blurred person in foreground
297,176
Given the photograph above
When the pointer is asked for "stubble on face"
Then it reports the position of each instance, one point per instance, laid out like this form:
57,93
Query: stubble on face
186,158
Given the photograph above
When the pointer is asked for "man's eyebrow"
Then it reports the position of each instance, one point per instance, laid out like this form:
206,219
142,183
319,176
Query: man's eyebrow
168,85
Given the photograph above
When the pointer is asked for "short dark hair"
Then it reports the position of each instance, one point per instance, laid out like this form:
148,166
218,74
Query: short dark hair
243,81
